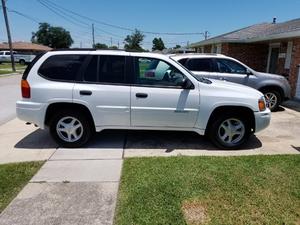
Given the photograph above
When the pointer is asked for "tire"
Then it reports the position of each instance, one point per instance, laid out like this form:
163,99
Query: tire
217,132
273,99
71,129
22,62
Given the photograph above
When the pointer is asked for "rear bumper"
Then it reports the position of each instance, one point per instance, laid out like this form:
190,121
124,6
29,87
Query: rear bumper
31,112
262,120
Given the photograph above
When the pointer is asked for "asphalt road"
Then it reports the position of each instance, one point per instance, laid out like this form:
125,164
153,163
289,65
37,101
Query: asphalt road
9,93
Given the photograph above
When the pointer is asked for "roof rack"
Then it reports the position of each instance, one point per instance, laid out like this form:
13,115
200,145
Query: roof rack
92,49
198,53
85,49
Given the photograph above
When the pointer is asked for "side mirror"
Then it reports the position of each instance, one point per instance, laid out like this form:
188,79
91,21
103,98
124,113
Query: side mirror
248,72
186,84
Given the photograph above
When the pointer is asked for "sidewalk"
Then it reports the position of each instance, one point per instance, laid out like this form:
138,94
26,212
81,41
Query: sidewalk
73,187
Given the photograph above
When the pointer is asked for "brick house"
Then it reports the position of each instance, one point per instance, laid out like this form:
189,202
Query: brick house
266,47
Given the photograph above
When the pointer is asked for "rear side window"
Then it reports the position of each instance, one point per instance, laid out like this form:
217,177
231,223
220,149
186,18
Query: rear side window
204,64
112,69
62,67
182,61
105,69
90,73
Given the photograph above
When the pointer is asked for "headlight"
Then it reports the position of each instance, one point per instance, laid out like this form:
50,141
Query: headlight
262,104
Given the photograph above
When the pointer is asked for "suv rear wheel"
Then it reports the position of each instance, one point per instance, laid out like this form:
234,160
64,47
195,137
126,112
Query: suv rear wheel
70,129
229,131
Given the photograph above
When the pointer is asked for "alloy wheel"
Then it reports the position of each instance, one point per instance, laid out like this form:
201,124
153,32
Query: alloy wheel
271,99
69,129
231,131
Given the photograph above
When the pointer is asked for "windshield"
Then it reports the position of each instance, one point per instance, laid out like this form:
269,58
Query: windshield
197,77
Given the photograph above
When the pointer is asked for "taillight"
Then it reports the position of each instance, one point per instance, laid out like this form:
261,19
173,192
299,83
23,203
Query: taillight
25,89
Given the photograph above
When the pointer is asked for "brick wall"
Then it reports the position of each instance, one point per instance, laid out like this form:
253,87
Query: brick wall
293,77
253,55
207,49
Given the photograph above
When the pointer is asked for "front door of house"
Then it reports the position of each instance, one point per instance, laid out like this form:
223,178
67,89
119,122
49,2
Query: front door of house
273,60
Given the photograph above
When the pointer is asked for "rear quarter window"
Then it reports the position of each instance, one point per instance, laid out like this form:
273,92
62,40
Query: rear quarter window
62,67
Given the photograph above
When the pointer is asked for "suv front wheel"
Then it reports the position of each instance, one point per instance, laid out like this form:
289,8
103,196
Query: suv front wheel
229,131
273,99
70,129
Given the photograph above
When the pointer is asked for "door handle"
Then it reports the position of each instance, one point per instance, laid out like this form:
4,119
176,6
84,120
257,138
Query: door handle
141,95
85,92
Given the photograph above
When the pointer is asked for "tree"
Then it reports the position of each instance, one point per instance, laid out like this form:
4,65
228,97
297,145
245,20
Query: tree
54,37
113,47
100,46
177,46
133,41
158,44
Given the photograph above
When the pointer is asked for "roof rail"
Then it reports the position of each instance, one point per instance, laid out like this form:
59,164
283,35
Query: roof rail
200,53
93,49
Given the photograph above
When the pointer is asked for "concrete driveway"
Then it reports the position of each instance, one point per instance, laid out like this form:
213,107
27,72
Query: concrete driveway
19,142
10,92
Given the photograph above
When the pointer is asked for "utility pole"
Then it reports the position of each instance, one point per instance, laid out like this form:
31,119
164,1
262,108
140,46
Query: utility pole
8,36
93,34
111,42
205,34
118,45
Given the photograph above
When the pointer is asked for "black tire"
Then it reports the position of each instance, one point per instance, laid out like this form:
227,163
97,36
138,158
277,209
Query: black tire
277,96
214,126
22,62
86,132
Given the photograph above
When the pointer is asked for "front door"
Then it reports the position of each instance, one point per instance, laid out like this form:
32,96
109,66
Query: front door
273,60
235,72
158,99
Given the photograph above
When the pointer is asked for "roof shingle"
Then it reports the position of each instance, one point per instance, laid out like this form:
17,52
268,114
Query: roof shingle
20,45
254,32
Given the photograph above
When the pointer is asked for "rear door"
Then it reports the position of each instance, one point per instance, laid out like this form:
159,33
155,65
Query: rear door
202,66
157,96
104,90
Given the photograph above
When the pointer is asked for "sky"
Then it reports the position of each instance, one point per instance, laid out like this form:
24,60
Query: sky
158,16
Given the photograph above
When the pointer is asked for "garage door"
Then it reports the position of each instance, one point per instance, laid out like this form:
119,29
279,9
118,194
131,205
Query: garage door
298,85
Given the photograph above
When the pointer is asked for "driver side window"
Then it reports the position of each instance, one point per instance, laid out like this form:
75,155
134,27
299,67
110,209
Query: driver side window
229,66
157,73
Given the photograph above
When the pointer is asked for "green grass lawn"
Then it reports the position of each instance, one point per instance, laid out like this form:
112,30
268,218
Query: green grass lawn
5,68
5,72
210,190
13,177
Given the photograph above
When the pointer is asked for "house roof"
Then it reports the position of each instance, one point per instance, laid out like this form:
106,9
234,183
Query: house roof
257,32
21,46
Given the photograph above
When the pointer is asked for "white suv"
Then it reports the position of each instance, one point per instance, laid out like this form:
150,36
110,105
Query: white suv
76,93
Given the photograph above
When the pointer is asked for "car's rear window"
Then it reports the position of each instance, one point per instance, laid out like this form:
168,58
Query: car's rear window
62,67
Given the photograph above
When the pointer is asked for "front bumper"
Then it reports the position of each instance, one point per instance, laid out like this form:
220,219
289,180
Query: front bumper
262,120
31,112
